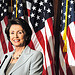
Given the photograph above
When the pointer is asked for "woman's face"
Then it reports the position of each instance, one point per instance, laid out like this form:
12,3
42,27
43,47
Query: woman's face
17,35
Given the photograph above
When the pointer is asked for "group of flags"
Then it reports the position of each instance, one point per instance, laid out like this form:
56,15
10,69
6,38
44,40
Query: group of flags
39,15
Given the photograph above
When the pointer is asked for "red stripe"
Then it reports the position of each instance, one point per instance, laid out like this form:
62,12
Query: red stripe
28,12
4,46
6,20
44,71
60,71
49,54
50,24
41,39
31,45
42,43
0,61
71,42
10,47
68,70
74,22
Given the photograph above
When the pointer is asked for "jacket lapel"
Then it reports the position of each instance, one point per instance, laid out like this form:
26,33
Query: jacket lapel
3,68
23,58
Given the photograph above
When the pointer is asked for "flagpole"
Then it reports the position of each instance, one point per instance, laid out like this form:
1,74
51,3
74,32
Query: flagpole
11,6
16,8
57,21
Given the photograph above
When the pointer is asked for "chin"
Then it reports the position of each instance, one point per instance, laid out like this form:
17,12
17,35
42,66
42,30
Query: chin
19,45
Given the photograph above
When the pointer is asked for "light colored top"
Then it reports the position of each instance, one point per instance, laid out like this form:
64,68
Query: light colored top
29,63
9,68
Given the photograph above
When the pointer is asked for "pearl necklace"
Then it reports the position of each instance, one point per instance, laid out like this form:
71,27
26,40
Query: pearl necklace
17,56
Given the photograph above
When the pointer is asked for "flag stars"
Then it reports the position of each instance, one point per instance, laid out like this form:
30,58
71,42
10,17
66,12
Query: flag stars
69,16
44,7
5,10
48,11
62,4
6,4
21,5
35,1
0,5
43,20
38,17
65,13
32,15
41,3
1,14
34,8
39,10
70,9
64,21
50,4
61,11
19,11
36,24
22,17
15,6
72,2
13,12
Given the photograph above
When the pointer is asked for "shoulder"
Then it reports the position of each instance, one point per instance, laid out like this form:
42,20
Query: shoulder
36,55
33,52
6,55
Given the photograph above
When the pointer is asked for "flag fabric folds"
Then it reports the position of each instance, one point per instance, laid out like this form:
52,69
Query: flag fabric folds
39,16
3,23
67,58
38,13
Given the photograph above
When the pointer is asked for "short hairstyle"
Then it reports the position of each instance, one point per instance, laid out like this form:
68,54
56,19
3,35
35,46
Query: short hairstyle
23,24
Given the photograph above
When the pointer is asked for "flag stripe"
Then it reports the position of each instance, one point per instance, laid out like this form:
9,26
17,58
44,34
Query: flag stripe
41,41
4,46
1,51
71,42
50,24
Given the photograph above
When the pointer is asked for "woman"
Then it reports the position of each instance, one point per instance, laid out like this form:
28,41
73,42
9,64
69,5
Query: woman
23,60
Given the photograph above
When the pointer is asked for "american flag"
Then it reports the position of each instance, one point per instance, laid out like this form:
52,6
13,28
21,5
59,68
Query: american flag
18,9
67,59
3,22
39,16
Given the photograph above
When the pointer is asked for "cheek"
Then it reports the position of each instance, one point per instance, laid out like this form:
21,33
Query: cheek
11,38
22,38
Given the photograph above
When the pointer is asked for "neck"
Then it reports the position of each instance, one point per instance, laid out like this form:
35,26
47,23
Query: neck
19,49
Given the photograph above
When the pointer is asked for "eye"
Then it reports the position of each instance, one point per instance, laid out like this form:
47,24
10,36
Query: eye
20,32
12,33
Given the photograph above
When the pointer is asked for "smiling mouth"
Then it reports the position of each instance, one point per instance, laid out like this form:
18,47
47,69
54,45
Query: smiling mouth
16,41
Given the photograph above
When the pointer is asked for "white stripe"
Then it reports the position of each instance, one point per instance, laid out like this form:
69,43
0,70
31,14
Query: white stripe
46,53
62,61
36,42
71,59
28,5
48,63
37,47
3,28
49,37
1,52
70,56
72,30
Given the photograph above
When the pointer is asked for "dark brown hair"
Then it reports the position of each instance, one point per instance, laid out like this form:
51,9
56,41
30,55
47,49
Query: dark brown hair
23,24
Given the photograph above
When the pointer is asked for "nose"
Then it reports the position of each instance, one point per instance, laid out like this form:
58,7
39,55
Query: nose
16,35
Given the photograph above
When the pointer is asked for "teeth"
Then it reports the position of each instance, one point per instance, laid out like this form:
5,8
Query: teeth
16,40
